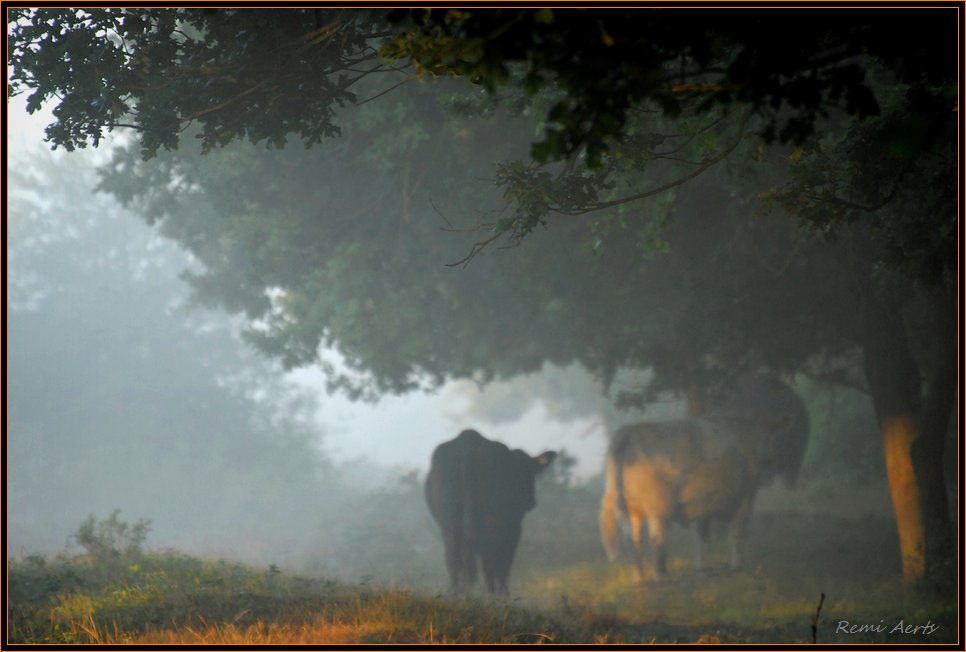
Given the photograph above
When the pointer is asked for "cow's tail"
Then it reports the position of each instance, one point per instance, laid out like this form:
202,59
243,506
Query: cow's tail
611,504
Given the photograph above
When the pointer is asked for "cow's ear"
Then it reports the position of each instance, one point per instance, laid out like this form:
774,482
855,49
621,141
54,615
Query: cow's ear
544,459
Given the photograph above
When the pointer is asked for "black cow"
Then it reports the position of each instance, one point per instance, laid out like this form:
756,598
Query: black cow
764,398
479,491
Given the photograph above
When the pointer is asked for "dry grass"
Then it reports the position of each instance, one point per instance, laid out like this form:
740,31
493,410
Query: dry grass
172,599
261,633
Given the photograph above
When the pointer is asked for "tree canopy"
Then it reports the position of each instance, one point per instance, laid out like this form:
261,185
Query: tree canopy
642,222
122,64
608,61
268,76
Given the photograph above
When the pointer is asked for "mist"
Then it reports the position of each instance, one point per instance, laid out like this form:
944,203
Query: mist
255,347
131,398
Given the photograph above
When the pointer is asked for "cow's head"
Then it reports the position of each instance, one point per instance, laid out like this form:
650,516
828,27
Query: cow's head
519,480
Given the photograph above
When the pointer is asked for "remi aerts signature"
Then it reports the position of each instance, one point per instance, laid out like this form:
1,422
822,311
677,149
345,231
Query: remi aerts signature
901,627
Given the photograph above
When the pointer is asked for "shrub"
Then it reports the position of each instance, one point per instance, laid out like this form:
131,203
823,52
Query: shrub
111,540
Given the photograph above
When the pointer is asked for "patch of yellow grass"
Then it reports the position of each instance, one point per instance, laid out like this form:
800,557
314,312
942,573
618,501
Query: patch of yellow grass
320,632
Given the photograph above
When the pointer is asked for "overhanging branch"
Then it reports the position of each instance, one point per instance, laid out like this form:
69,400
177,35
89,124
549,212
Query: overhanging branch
597,206
515,236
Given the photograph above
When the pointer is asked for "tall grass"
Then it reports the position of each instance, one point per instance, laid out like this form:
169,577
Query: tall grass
791,560
563,590
169,598
172,598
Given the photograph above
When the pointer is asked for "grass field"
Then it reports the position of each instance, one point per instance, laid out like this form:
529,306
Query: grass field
792,563
563,592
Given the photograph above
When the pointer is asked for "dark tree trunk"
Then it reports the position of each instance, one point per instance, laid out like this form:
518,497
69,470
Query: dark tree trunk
928,450
913,431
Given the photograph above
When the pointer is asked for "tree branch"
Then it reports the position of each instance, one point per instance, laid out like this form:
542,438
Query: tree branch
515,237
222,105
477,248
870,208
590,208
388,90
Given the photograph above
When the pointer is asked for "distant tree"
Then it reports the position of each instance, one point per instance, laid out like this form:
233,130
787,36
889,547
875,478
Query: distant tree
118,396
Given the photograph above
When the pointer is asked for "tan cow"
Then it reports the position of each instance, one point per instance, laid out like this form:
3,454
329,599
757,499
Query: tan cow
684,471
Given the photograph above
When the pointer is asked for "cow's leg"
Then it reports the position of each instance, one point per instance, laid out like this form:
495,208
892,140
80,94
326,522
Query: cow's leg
458,544
636,522
454,560
497,557
489,580
701,543
655,528
739,530
610,511
495,573
470,548
496,582
467,564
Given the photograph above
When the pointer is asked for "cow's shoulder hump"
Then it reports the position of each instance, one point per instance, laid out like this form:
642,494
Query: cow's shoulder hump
675,438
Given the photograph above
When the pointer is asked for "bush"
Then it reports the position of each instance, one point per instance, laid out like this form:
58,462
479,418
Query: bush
111,540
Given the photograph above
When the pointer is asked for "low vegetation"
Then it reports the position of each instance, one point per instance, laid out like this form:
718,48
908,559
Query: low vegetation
114,592
171,598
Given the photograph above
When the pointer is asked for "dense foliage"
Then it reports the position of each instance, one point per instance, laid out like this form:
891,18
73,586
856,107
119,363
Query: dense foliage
157,70
642,224
637,102
607,62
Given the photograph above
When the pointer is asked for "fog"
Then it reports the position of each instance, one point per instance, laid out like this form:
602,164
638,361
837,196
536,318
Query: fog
157,358
201,496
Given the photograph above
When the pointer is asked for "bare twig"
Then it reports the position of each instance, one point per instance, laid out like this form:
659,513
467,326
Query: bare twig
698,88
323,33
818,610
476,249
689,138
391,88
590,208
221,105
515,238
855,206
479,226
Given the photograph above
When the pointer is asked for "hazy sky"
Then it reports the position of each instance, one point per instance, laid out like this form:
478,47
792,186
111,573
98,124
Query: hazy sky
398,431
404,430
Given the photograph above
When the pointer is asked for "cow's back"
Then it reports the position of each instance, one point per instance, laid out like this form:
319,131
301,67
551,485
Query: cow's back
765,399
479,477
447,486
686,469
651,462
680,442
